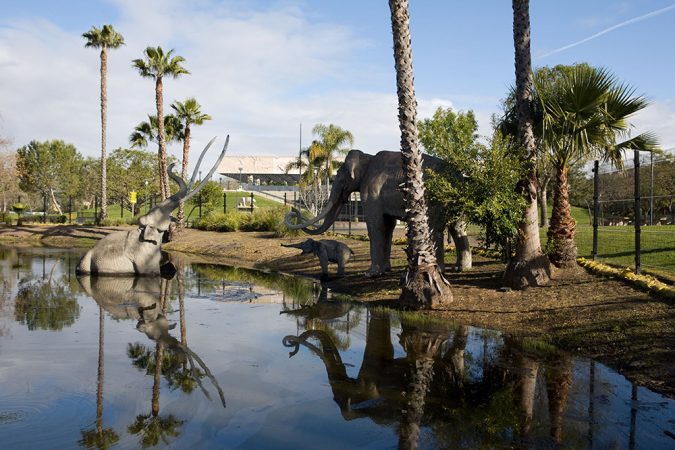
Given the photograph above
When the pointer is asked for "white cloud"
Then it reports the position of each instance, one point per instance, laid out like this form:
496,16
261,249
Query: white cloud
247,68
659,117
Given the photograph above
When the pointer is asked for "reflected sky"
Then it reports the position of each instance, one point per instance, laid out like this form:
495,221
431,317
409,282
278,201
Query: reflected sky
221,357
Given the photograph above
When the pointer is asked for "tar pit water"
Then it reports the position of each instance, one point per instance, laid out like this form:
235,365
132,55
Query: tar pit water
220,357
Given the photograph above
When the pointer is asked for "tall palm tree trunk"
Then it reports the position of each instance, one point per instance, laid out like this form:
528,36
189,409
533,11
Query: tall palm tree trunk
161,155
183,173
561,248
104,107
529,267
424,284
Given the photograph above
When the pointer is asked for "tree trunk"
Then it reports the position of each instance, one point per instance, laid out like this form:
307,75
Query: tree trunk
558,383
530,267
104,103
183,174
420,348
101,372
161,137
543,201
424,285
462,246
561,248
55,204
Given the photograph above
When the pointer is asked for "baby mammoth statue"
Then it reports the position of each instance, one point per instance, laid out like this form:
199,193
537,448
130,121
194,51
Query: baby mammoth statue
138,252
327,250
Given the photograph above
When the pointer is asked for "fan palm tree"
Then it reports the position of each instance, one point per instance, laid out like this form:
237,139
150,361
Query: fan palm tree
157,64
103,38
425,286
529,267
99,438
146,132
188,113
331,141
585,114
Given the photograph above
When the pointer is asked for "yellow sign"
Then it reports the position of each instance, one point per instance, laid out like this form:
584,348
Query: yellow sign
132,197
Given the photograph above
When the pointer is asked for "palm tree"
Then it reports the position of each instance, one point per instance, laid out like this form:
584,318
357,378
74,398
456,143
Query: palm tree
529,267
157,64
103,38
425,286
188,113
585,114
331,140
100,438
146,132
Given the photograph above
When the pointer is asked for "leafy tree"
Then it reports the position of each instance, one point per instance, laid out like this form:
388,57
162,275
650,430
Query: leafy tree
49,167
129,170
156,64
188,113
103,38
9,178
425,286
585,114
485,195
529,267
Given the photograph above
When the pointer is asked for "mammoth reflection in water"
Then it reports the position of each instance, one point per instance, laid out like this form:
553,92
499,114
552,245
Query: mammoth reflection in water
145,299
441,385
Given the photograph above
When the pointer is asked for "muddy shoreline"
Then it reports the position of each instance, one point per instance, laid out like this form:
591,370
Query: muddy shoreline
599,318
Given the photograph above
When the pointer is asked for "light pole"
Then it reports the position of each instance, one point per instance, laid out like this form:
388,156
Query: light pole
147,206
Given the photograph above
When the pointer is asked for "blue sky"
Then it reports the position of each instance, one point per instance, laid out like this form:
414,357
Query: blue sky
262,67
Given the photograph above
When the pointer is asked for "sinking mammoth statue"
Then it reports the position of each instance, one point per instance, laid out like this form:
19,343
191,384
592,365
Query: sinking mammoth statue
378,179
138,252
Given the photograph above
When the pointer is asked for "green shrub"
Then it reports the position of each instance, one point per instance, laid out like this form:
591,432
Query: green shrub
219,221
117,221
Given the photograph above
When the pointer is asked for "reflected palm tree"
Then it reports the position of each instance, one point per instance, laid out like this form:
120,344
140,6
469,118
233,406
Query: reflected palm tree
152,427
422,348
99,437
558,383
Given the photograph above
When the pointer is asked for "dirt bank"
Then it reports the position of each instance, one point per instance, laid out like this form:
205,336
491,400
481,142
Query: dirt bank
595,317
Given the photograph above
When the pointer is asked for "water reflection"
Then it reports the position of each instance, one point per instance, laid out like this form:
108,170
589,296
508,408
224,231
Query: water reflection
356,377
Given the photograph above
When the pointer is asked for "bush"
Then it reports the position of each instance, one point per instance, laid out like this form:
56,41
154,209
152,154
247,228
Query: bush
262,219
117,221
218,221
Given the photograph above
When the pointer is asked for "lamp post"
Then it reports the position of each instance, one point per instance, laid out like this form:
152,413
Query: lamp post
147,206
241,169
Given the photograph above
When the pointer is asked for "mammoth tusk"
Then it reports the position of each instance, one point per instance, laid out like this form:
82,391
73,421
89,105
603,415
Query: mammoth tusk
295,214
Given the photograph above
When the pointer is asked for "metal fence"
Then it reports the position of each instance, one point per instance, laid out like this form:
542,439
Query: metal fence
633,216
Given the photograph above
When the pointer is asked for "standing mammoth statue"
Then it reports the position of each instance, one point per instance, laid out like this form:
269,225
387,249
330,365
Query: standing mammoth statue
378,179
138,252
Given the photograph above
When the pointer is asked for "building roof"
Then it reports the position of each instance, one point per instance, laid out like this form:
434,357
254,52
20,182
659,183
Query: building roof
255,164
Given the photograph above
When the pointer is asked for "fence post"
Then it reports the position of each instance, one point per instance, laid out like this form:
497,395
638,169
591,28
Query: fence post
251,202
596,206
70,209
44,207
285,199
96,210
200,205
350,208
638,213
224,202
121,207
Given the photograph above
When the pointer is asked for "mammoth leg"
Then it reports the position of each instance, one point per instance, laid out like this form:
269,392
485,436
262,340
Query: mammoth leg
377,235
389,226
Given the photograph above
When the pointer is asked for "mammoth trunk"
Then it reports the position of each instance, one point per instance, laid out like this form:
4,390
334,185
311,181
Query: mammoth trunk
329,214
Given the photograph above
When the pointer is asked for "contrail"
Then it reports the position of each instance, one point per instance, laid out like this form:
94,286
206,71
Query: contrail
607,30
